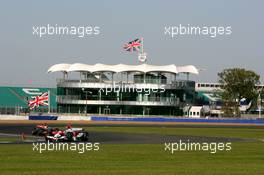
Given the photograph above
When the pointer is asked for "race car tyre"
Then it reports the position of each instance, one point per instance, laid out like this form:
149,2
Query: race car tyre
85,137
69,136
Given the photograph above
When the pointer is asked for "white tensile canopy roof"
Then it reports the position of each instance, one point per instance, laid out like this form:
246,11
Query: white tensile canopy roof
144,68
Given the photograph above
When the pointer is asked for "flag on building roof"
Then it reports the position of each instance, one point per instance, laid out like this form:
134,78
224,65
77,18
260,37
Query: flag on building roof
41,100
133,45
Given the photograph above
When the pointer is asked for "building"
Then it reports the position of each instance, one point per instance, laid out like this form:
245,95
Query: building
194,112
14,100
124,89
161,94
210,94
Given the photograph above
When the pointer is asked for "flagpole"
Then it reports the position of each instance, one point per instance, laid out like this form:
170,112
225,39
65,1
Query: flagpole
141,55
142,48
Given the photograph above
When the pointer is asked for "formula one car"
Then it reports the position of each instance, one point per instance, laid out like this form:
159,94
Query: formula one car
42,130
57,135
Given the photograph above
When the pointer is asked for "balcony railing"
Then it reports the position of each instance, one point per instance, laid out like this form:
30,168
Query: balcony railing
163,101
179,84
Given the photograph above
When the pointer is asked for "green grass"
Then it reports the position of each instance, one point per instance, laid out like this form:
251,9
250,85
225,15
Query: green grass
245,158
251,133
9,139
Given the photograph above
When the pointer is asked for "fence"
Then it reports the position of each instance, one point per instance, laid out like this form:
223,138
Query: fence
19,110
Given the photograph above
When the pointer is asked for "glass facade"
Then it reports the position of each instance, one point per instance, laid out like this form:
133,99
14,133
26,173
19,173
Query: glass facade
147,94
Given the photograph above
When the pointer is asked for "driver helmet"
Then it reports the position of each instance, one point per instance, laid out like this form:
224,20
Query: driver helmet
69,126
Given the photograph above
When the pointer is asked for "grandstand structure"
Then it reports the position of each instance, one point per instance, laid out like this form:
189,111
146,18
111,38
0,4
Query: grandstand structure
124,89
217,86
209,94
14,100
82,95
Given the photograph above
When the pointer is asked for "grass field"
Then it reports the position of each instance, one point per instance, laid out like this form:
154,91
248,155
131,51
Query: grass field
245,157
243,132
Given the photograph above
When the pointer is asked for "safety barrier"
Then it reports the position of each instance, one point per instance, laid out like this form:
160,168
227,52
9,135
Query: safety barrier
133,119
166,119
42,117
77,118
13,117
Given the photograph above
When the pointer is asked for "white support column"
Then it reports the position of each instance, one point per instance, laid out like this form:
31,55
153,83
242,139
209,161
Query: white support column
112,76
49,101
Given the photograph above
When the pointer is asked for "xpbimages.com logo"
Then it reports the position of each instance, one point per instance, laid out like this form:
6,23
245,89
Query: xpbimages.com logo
212,147
183,30
79,31
60,146
122,88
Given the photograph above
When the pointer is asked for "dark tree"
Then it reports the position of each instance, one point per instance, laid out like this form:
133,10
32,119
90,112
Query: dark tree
237,83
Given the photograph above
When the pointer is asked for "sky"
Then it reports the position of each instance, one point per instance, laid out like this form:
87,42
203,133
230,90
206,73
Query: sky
25,58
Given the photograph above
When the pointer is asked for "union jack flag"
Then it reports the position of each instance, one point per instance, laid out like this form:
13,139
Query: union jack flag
133,45
41,100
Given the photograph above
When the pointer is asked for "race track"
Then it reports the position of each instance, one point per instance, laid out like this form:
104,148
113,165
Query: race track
15,130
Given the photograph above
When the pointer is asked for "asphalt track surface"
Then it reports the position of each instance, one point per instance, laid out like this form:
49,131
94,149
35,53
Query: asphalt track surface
15,130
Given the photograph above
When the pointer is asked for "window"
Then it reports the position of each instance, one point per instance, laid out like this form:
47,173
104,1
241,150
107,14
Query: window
190,113
194,113
198,113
